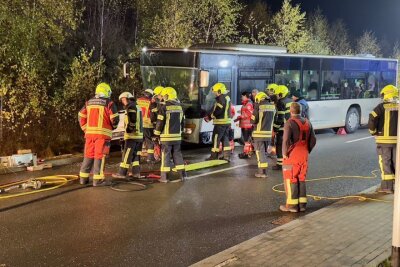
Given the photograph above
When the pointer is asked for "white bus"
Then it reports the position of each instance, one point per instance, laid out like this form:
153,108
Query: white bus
340,90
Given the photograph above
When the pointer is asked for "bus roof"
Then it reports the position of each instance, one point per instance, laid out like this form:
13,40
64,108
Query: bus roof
259,52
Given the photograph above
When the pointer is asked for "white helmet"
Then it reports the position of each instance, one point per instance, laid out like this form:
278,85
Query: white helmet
126,95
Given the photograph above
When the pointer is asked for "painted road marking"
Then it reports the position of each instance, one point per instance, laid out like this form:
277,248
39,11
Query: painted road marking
218,171
360,139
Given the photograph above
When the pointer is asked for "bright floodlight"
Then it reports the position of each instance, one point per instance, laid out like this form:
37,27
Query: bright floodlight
224,63
144,49
185,49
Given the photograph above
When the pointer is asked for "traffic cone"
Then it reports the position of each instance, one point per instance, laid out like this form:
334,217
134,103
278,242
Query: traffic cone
341,131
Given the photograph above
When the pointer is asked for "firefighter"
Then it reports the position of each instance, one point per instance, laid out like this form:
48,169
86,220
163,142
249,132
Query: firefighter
133,137
98,117
147,103
263,119
298,141
221,116
383,125
169,128
158,100
270,90
283,103
245,123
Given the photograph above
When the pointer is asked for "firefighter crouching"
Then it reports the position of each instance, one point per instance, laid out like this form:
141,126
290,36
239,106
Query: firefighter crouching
262,118
383,125
221,116
133,137
97,119
147,103
298,141
245,124
283,103
169,128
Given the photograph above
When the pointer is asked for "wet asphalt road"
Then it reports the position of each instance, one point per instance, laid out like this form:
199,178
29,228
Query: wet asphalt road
167,225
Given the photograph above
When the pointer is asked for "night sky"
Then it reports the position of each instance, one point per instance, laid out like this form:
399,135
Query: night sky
380,16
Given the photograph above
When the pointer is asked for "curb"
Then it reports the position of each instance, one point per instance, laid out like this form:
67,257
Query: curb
227,256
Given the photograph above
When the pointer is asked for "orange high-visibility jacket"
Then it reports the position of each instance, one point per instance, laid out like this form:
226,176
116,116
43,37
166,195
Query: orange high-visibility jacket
146,104
98,117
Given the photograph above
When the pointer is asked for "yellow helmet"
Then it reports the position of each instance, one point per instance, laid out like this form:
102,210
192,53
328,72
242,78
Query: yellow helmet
126,95
260,96
389,92
272,87
219,88
158,90
103,90
169,92
282,90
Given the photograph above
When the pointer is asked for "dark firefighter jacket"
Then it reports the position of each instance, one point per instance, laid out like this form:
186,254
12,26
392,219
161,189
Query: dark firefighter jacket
170,122
383,123
282,113
221,114
133,122
263,119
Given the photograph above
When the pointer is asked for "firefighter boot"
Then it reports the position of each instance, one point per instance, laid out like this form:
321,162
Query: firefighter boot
136,172
83,181
183,175
243,156
121,173
302,207
100,182
227,156
284,208
164,177
261,173
214,156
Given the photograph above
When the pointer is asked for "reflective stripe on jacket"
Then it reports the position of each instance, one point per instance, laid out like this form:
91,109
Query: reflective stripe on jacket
98,118
221,114
282,113
245,115
263,118
144,103
170,121
383,123
133,122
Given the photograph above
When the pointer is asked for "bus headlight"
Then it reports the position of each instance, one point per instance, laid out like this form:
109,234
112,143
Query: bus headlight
189,129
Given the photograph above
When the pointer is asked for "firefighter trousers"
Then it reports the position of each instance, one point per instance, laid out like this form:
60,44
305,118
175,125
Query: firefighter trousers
246,134
173,151
221,134
294,177
278,145
387,163
131,157
96,150
148,134
260,147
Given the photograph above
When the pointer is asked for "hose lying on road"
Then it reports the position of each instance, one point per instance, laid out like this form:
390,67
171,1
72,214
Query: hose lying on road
51,182
374,175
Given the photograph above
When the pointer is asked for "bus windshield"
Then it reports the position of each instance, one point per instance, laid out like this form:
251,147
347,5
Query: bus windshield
183,80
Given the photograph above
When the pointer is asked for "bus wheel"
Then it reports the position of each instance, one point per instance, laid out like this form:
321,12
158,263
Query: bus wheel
352,120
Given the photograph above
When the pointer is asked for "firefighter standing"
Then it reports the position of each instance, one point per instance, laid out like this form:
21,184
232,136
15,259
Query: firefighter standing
245,123
263,119
298,141
283,103
133,137
383,125
97,119
221,116
147,104
169,128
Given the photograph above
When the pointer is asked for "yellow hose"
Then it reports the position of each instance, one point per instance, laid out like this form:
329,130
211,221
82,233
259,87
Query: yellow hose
374,175
56,180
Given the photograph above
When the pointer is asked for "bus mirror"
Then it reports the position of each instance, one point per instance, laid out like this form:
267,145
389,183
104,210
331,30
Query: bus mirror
204,78
126,70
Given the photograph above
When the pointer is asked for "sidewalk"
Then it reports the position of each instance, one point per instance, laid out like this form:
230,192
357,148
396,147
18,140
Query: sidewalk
346,233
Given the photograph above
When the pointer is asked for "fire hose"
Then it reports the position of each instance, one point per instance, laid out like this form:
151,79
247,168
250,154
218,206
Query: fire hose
373,175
